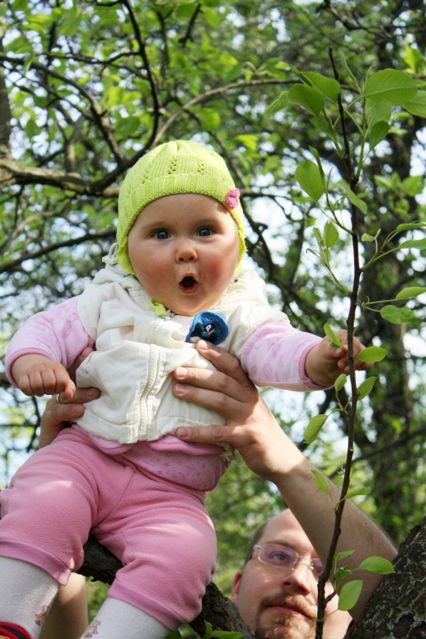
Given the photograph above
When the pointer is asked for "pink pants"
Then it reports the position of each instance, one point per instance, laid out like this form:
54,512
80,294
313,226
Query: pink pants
160,531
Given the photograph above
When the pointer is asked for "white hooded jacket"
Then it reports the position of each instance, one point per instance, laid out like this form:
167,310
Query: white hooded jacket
136,350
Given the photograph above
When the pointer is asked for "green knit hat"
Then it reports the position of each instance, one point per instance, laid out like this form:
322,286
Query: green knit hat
175,167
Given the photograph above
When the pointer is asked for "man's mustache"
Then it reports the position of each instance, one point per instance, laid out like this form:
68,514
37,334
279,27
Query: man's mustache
295,602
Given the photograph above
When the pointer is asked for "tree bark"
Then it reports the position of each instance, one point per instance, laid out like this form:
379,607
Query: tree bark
397,608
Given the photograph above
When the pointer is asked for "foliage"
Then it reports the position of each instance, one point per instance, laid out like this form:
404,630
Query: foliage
87,87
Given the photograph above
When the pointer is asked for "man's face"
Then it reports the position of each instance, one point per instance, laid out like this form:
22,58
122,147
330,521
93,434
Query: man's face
281,603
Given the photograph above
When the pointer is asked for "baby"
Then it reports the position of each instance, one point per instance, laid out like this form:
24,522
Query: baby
173,277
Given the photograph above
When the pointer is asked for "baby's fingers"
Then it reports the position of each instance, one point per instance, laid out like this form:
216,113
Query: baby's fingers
363,366
48,381
30,384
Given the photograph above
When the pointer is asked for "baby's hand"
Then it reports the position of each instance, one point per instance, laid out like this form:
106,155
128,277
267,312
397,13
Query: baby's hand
340,355
325,362
39,375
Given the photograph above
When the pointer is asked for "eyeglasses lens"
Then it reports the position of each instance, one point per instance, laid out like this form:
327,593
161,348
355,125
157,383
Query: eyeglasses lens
284,557
278,555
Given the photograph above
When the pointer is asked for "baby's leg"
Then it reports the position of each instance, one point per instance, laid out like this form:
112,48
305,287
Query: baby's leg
167,543
120,619
27,591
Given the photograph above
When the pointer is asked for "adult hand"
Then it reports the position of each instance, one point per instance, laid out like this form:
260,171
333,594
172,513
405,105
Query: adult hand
60,410
250,429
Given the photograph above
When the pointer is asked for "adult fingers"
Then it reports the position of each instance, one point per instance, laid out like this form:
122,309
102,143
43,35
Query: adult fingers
213,380
207,434
223,403
224,362
80,396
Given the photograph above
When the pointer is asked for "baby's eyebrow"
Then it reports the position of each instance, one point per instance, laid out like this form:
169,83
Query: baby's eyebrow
153,225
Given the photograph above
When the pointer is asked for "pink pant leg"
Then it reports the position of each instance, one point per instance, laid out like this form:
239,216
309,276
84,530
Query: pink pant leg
165,538
53,501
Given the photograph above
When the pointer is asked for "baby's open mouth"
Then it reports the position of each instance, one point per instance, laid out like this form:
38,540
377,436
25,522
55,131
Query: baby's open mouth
188,282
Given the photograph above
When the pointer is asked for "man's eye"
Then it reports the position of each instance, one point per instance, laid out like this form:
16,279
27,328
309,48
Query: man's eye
281,555
160,234
205,231
317,567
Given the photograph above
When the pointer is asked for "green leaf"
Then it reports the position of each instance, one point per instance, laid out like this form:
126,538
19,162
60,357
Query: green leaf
377,133
306,97
417,106
210,119
342,554
409,226
372,354
310,179
212,16
248,140
278,105
330,234
320,481
414,59
343,572
376,113
318,237
356,491
314,427
396,314
410,292
413,185
71,21
418,244
378,565
340,382
328,86
366,387
349,594
365,237
390,86
335,340
356,201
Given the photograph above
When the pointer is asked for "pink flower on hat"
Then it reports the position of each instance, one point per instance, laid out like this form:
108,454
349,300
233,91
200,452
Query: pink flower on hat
232,200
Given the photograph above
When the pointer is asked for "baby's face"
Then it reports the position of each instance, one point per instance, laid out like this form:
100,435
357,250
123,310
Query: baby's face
184,251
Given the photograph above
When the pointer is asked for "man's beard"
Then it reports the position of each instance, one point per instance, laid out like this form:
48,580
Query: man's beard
284,627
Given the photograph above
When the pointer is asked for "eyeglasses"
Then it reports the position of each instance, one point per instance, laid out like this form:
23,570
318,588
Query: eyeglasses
284,557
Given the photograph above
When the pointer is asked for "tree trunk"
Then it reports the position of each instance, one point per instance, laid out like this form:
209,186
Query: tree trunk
397,608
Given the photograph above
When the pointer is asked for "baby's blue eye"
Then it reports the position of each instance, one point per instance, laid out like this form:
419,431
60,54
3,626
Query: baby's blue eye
205,231
160,234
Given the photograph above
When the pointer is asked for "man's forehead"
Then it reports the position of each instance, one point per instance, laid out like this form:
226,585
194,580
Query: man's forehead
285,529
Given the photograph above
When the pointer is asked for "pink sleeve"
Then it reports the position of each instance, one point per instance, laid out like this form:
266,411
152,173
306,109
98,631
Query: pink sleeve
57,333
275,356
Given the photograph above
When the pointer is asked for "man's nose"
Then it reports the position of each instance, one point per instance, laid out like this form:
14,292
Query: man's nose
301,579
